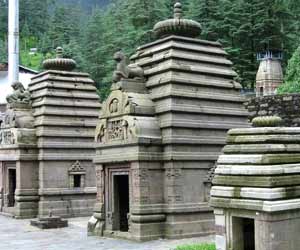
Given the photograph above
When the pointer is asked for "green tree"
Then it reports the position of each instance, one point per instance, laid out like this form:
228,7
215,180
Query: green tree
3,18
292,78
3,51
35,14
64,25
205,12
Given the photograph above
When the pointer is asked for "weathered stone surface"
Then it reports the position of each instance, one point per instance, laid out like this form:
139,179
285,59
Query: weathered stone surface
257,178
269,75
65,108
285,106
18,156
45,139
181,112
49,222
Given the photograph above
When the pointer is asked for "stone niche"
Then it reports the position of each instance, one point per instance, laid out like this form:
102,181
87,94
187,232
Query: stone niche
160,133
255,191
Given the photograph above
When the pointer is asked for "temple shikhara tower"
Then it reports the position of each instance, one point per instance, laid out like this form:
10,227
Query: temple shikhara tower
160,132
269,75
47,145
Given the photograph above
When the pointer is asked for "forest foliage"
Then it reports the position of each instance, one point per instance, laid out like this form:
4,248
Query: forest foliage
244,27
292,77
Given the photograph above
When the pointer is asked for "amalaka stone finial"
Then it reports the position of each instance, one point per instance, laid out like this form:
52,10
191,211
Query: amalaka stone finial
267,121
59,63
177,26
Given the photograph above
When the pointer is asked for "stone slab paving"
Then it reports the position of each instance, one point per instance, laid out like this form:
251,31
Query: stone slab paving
19,235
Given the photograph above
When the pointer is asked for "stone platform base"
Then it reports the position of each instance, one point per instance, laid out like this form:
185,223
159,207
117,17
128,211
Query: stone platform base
49,222
269,231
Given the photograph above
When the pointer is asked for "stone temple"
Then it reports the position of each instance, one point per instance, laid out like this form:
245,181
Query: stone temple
270,74
160,132
256,188
47,145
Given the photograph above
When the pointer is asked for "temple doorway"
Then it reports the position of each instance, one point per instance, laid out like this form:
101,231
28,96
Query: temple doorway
248,232
121,202
243,233
12,183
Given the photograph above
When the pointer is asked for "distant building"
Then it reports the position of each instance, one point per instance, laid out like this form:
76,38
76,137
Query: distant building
25,76
269,75
33,51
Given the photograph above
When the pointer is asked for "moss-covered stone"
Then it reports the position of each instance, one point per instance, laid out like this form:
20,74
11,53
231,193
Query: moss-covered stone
267,121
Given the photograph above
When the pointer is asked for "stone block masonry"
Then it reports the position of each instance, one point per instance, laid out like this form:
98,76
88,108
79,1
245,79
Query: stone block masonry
159,135
255,191
285,106
47,144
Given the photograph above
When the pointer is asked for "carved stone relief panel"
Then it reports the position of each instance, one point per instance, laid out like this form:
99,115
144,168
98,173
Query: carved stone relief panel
19,116
100,183
141,186
174,185
7,137
115,130
114,105
110,130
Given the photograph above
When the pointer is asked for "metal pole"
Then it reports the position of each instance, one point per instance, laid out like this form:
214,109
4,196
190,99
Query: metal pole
13,41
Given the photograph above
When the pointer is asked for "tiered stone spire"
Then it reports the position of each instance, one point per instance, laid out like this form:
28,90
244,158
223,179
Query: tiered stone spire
197,100
65,108
168,127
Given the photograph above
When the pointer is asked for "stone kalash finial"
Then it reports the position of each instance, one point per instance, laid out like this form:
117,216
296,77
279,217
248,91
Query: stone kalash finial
177,26
125,71
59,63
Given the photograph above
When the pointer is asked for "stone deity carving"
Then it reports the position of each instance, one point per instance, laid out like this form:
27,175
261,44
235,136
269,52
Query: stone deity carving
125,71
20,95
18,113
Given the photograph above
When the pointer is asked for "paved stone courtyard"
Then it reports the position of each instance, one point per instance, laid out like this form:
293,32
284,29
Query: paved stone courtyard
19,235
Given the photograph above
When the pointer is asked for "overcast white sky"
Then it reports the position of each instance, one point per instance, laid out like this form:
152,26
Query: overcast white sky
5,87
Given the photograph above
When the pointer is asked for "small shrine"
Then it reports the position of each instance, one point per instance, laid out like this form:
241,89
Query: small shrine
18,155
270,74
160,132
47,145
255,193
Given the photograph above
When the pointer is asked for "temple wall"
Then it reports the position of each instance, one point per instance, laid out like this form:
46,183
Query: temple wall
65,115
285,106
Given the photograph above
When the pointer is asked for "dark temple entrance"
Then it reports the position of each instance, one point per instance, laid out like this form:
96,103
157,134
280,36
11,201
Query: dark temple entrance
12,182
121,202
243,233
248,232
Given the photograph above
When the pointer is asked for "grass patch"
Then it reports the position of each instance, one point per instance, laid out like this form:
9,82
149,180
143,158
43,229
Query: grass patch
197,247
31,61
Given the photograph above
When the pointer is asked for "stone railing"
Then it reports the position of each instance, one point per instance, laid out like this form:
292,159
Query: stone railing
285,106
